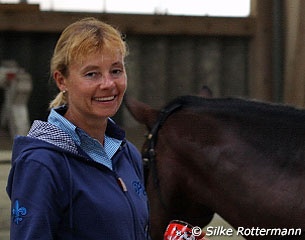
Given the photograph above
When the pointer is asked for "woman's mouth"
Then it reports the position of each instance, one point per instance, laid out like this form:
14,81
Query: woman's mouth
104,99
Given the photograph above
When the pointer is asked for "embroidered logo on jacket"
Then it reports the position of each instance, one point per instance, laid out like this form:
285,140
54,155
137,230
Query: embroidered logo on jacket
139,189
18,212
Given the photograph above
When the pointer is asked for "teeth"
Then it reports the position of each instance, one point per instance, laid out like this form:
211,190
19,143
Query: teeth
104,99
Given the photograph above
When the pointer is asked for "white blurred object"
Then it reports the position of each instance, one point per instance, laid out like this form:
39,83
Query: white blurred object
17,85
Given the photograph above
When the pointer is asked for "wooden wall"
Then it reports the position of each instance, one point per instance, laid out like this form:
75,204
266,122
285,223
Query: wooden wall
161,68
234,56
169,55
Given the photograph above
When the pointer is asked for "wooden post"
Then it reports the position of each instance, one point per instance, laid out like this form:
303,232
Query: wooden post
260,61
295,53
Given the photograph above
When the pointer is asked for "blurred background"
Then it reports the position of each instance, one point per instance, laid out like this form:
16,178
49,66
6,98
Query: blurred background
244,48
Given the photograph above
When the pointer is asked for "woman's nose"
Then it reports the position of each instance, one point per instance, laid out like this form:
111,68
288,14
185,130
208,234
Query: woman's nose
106,81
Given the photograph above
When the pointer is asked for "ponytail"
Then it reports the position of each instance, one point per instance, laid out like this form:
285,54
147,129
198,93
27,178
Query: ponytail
60,99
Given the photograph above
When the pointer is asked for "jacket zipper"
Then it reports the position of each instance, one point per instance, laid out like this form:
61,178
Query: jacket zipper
122,185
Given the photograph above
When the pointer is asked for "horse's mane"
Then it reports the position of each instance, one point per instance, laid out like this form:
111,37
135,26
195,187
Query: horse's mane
243,108
274,128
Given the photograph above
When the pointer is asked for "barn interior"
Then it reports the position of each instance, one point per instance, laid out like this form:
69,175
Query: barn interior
259,56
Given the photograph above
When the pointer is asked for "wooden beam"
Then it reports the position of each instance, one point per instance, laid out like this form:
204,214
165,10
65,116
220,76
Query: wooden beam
33,21
22,7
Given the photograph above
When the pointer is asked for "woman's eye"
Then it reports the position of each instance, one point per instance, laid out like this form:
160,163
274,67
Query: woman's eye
91,74
116,72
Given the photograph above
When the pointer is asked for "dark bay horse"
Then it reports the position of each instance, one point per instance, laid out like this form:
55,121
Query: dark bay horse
242,159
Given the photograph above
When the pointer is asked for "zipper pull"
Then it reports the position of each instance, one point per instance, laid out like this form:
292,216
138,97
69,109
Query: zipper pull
122,184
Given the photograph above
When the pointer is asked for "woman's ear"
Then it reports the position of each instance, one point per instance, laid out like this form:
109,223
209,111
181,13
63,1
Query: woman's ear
60,81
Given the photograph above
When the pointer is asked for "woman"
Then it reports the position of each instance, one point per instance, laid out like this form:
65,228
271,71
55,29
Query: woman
76,176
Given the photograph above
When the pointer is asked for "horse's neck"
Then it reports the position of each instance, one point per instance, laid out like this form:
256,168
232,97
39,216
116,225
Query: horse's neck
239,183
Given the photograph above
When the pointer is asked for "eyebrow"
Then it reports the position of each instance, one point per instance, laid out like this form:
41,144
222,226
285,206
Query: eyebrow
89,67
96,67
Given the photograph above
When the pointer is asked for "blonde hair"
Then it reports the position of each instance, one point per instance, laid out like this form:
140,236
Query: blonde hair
79,40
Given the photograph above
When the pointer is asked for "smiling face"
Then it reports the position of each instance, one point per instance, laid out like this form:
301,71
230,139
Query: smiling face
95,87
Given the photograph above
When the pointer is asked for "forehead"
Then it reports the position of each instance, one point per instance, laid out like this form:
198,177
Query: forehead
109,56
82,47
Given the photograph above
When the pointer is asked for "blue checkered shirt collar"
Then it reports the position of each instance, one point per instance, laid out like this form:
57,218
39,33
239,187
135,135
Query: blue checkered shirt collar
91,146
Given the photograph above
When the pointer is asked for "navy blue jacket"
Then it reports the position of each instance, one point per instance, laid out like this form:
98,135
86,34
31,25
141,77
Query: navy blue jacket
58,192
